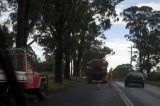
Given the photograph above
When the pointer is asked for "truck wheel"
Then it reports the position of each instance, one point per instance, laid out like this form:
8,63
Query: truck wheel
42,91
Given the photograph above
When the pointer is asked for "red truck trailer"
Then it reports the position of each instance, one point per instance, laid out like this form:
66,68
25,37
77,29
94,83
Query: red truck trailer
97,70
31,81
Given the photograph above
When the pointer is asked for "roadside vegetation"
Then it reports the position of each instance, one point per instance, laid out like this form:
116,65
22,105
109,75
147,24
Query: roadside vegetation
53,86
154,78
154,83
143,24
69,31
144,32
121,71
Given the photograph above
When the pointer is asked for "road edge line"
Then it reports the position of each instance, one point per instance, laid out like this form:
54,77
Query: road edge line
126,100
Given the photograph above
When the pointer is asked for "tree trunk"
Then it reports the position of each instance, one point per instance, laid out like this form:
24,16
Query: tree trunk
75,72
71,66
58,61
59,26
26,19
77,63
140,61
20,24
148,67
67,66
79,57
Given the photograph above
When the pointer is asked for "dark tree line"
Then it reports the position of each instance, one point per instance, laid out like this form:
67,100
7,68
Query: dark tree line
121,71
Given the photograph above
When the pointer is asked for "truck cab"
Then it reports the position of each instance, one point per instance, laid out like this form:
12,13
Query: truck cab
32,82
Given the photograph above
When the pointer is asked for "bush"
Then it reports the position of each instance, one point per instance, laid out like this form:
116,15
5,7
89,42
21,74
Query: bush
154,76
45,66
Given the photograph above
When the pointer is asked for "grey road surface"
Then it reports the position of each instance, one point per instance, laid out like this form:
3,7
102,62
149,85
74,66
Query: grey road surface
147,96
84,94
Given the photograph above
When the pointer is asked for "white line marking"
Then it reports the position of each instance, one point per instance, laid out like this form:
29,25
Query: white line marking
123,96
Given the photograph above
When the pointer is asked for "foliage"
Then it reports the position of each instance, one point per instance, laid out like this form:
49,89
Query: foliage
143,24
154,76
121,71
23,15
96,50
8,36
53,87
64,28
69,27
45,66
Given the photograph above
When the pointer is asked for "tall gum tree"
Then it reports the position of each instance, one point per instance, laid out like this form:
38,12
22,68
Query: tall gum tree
61,21
143,24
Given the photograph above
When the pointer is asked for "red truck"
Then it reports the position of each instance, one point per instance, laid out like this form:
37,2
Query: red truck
97,70
31,81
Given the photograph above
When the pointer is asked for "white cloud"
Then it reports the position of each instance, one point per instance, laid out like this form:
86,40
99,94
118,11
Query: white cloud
120,22
38,50
121,49
154,5
119,8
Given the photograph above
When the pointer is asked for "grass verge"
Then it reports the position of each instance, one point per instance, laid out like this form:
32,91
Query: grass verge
53,87
154,83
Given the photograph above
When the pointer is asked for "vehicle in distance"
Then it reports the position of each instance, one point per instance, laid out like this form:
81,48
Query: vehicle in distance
97,70
134,78
31,81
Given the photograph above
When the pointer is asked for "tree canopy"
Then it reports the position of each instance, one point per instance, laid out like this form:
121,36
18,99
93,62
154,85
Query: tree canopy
121,71
65,28
143,23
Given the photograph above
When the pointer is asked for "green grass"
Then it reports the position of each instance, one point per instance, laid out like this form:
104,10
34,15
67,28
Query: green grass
53,87
154,83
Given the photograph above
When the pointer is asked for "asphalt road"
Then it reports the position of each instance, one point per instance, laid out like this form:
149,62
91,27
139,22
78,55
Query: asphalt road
147,96
84,94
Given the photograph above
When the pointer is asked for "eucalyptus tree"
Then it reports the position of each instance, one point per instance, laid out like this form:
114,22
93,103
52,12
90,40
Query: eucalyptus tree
23,15
100,11
8,36
121,71
19,15
63,20
143,24
94,50
56,20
